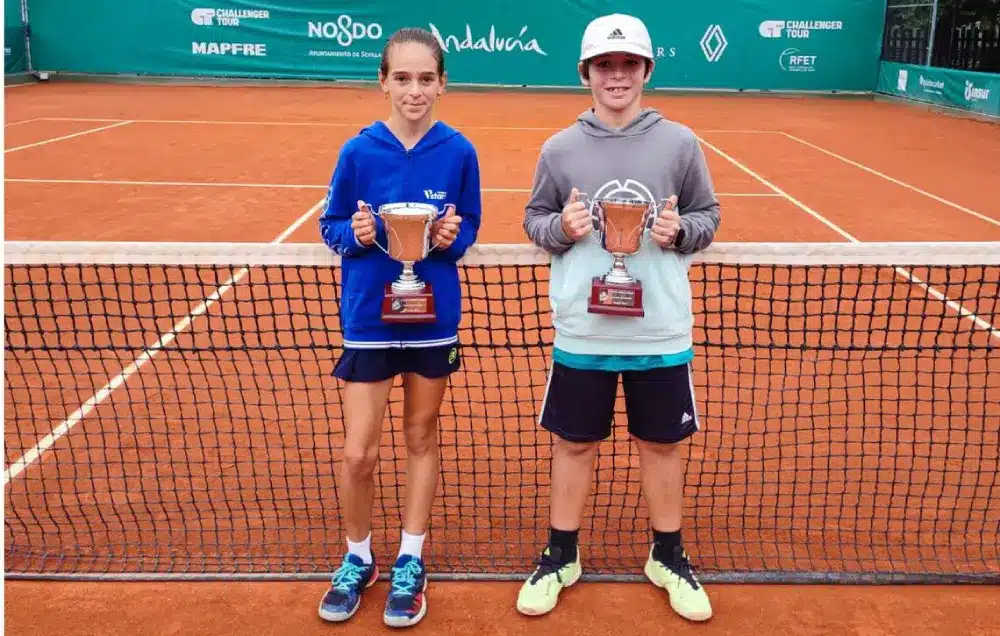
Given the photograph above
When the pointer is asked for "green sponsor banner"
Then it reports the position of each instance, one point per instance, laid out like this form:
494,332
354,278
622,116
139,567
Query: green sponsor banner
728,44
15,59
977,92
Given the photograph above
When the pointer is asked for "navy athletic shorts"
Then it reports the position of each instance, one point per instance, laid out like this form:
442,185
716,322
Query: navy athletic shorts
579,404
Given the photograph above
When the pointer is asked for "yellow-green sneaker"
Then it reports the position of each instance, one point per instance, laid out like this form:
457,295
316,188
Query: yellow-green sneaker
687,596
540,592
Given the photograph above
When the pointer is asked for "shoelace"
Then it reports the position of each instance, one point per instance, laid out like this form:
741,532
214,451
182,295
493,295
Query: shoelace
683,568
404,579
347,577
547,565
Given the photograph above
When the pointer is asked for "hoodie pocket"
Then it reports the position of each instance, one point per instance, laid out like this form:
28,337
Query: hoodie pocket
574,274
361,311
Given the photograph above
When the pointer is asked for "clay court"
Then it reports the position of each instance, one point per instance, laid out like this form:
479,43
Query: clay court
849,440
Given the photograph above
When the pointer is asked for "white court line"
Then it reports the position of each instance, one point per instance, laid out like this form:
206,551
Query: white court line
165,339
819,217
179,184
359,126
22,121
903,184
77,134
334,124
214,184
902,271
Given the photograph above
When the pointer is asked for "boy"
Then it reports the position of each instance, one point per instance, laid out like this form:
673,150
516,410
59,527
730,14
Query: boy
619,149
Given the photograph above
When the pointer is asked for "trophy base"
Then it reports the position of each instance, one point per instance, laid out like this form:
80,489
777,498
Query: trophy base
615,299
408,306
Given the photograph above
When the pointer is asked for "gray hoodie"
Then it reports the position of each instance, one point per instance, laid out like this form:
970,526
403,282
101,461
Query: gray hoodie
650,158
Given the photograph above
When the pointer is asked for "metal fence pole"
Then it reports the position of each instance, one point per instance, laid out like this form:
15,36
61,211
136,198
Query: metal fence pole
26,34
930,40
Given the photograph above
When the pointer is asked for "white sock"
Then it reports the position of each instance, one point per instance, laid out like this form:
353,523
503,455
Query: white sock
412,544
362,549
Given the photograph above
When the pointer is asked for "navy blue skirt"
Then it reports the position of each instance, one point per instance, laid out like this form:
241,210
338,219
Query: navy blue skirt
375,365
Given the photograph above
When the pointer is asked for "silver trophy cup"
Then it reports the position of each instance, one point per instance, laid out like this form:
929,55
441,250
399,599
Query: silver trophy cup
620,224
408,234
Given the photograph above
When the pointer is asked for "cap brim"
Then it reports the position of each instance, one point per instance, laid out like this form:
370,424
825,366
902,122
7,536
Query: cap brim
611,47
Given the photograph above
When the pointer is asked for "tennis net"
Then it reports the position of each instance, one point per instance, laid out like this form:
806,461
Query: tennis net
169,413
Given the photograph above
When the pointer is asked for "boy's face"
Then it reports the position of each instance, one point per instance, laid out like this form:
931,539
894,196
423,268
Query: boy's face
616,79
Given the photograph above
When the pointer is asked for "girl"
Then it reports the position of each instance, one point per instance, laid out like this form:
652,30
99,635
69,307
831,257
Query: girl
409,157
619,149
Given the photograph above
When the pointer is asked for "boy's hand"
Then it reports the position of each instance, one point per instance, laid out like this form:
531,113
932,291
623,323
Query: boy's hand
576,221
667,224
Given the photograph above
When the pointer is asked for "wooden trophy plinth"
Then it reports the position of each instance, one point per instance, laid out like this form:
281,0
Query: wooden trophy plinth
408,307
615,299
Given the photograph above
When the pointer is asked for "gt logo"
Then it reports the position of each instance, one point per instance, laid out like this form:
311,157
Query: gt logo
202,17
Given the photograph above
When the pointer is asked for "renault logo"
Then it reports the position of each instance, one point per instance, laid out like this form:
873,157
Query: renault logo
713,43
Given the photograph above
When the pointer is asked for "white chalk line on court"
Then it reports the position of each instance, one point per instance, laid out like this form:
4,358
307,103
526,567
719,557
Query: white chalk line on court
329,124
358,125
292,186
44,444
958,308
71,136
902,184
22,121
175,184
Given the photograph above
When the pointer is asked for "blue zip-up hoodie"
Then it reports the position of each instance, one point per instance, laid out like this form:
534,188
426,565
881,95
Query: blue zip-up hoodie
376,168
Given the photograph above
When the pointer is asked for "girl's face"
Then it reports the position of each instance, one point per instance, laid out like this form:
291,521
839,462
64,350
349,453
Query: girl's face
616,80
412,83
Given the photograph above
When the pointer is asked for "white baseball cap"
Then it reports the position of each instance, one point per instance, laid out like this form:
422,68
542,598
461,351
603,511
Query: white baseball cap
616,33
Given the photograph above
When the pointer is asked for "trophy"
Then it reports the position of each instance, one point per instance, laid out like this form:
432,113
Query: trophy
407,228
620,223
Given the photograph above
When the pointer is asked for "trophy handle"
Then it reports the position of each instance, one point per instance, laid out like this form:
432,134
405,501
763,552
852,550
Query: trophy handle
367,208
449,208
652,214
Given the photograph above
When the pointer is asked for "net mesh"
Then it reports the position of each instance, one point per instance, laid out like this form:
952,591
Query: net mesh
170,413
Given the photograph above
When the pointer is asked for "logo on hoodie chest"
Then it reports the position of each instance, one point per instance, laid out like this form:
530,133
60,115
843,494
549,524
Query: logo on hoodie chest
631,189
435,195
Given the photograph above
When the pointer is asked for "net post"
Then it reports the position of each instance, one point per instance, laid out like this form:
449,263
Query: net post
930,39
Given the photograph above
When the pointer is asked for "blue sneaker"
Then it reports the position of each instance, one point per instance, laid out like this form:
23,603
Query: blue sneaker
343,598
407,603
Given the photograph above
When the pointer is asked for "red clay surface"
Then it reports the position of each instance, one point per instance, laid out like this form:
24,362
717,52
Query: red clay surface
128,609
295,142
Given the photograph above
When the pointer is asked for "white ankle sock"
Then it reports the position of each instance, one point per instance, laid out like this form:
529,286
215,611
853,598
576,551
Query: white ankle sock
412,544
362,549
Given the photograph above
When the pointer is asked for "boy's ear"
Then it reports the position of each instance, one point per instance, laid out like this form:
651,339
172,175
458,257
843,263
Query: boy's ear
580,68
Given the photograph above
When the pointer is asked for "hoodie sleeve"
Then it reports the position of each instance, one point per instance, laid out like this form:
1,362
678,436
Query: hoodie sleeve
543,212
697,204
341,204
469,207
